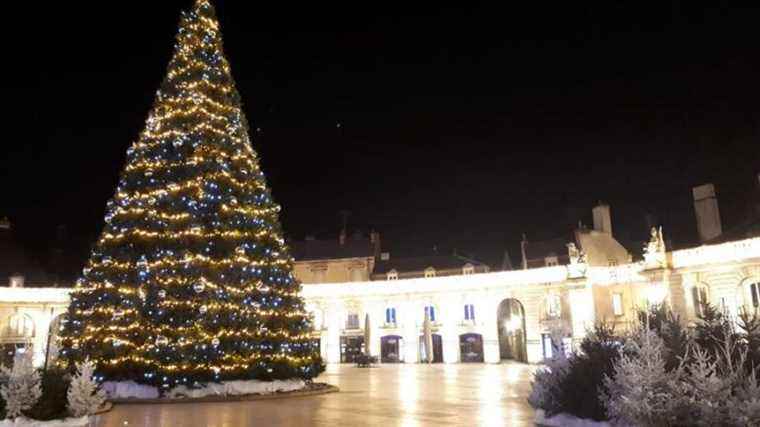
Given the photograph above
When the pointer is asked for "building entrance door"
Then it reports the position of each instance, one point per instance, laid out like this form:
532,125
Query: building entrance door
390,349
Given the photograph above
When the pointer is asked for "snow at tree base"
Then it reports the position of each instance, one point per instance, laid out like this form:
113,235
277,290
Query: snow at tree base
191,280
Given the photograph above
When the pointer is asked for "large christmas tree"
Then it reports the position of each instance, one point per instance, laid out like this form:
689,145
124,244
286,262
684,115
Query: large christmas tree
191,281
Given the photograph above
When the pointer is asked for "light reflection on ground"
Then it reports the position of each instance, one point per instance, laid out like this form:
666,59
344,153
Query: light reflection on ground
388,395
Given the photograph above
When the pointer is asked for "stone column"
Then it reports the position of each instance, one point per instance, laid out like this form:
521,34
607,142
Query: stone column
450,319
490,331
410,332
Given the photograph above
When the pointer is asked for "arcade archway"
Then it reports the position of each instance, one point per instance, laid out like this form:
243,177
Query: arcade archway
511,326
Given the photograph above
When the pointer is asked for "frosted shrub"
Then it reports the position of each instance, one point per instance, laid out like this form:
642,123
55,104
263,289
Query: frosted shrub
546,384
639,392
744,406
546,380
567,382
84,395
22,389
709,387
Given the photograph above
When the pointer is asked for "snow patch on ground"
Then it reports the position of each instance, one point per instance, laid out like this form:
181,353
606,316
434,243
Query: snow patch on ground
130,389
26,422
566,420
237,388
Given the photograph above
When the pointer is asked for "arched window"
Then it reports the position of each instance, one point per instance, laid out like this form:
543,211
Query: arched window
752,299
699,298
392,275
19,325
390,315
469,312
429,272
430,311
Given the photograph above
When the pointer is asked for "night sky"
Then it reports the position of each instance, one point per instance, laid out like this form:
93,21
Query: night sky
456,127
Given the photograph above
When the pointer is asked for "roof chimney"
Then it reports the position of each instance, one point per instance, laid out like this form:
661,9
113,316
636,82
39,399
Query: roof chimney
342,237
374,240
706,209
602,219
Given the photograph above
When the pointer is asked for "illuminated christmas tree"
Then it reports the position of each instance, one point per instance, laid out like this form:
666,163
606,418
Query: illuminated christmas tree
191,280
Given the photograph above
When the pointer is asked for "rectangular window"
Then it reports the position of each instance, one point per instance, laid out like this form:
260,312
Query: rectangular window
754,290
553,306
617,304
430,311
548,346
469,312
390,315
353,321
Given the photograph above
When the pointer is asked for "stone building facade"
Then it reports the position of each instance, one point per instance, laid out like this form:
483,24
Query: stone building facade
492,316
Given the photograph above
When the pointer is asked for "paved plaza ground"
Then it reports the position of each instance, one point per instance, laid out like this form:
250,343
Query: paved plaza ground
387,395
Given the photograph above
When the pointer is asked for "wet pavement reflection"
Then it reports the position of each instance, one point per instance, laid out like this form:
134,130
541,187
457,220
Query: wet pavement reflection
386,395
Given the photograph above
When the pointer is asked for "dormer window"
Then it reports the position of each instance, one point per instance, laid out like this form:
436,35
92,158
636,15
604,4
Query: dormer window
551,261
17,281
392,275
468,269
429,272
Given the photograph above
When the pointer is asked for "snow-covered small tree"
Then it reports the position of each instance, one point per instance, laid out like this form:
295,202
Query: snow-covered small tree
85,396
639,392
744,405
547,380
22,389
706,389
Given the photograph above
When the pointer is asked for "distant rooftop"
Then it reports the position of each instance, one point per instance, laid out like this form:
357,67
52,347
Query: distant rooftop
350,247
419,264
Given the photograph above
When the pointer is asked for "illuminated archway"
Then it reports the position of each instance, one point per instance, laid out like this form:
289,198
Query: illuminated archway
510,319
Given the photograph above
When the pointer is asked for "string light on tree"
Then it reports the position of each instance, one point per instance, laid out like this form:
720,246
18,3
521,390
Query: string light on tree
191,280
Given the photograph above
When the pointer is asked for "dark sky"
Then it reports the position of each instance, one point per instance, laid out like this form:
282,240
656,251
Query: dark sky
461,127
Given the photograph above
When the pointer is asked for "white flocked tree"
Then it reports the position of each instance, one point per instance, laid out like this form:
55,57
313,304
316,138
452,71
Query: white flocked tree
21,389
85,396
